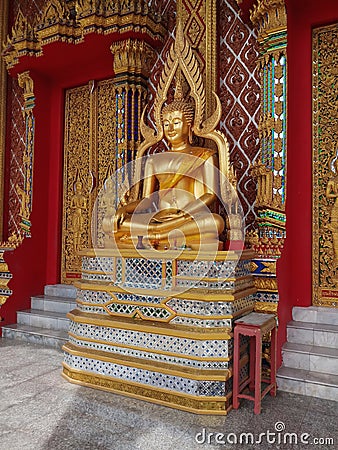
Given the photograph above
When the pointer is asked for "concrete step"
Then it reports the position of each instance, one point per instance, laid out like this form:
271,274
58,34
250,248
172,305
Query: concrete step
36,335
60,290
43,319
321,335
55,304
310,357
315,314
305,382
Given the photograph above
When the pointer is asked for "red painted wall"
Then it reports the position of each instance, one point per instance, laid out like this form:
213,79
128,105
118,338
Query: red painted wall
294,269
28,262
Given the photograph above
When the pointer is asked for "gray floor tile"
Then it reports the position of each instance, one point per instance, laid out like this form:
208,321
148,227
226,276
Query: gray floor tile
40,410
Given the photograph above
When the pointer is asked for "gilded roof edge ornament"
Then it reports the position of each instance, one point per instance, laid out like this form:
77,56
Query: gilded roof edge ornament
269,16
59,21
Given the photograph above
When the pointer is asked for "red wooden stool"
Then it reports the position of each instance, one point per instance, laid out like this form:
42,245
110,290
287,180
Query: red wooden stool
254,325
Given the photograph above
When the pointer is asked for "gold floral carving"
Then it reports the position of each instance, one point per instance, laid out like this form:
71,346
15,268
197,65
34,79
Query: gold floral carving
211,54
265,246
185,402
266,125
325,166
132,56
266,284
264,178
266,307
25,192
269,267
269,16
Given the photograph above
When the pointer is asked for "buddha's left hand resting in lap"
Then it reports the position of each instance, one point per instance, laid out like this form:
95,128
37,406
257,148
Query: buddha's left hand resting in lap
178,188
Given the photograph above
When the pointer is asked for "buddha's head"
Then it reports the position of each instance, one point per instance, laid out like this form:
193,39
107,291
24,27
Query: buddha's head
177,120
78,187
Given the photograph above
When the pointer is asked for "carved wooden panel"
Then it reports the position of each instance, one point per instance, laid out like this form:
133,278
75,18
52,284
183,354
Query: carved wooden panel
325,166
77,183
93,151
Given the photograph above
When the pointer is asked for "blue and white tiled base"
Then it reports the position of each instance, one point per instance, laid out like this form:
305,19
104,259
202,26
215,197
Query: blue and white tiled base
137,332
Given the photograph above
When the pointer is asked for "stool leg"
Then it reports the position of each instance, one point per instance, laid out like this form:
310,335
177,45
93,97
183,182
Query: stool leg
252,344
235,384
258,373
273,350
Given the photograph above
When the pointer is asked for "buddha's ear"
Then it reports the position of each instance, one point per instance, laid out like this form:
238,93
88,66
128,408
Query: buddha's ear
191,132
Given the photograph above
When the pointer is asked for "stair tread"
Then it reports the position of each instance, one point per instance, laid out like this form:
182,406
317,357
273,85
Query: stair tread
320,314
62,334
68,290
313,326
312,349
52,298
308,376
40,312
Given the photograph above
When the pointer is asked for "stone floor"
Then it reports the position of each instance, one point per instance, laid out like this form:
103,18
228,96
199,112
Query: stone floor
40,410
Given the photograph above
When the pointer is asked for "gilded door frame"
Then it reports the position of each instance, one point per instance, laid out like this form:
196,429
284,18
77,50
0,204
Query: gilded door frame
324,175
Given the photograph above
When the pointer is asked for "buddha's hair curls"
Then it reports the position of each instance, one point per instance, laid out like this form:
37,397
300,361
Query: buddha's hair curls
180,105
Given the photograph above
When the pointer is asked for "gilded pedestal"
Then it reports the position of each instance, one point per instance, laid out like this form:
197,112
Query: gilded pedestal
158,326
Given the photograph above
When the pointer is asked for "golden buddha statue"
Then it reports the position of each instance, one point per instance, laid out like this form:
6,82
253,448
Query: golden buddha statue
78,205
169,208
178,187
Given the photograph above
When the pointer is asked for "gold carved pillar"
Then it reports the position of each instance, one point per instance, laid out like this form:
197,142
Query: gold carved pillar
25,192
269,18
132,61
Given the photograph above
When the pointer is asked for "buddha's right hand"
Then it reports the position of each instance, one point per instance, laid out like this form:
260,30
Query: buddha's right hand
119,217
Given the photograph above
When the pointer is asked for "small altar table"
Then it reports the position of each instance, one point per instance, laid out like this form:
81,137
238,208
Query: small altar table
254,325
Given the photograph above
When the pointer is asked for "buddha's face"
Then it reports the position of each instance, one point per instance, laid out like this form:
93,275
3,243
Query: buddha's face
78,187
176,128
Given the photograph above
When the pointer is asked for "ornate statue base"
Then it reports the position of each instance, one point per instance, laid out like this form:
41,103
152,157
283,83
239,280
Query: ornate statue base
159,327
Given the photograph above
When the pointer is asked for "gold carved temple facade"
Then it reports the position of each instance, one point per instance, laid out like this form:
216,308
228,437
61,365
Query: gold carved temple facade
84,87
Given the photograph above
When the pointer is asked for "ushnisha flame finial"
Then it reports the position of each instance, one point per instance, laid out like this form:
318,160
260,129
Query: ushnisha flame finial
178,95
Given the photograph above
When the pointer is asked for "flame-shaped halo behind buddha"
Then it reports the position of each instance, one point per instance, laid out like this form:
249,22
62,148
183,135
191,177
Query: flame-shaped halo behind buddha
181,60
